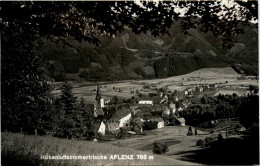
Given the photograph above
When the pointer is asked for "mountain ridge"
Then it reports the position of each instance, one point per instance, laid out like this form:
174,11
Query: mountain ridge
131,56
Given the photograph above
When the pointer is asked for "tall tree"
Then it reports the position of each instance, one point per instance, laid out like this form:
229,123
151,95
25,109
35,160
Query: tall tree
71,122
88,120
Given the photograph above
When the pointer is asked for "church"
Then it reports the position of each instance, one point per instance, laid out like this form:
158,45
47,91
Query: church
98,104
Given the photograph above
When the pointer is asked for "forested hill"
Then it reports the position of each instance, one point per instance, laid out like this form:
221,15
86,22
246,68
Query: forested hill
131,56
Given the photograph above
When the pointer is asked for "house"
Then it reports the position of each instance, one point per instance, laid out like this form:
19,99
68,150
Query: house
155,123
172,107
188,92
137,125
122,116
164,99
107,101
100,127
157,108
166,111
159,121
145,101
213,85
138,128
180,121
199,89
113,127
176,99
180,108
160,110
152,94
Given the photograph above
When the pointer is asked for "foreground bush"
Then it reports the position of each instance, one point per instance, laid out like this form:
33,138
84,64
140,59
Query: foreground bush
200,142
160,147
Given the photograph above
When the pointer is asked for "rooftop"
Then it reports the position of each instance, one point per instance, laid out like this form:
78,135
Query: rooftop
119,114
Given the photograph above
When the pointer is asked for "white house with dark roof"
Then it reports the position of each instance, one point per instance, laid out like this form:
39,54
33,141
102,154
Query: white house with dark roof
149,102
122,116
159,121
181,121
145,101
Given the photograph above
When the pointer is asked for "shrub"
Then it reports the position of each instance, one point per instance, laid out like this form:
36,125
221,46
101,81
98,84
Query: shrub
220,138
208,140
83,74
160,147
100,137
200,142
146,87
190,133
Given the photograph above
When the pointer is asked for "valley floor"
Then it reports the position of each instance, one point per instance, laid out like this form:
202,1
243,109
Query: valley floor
226,78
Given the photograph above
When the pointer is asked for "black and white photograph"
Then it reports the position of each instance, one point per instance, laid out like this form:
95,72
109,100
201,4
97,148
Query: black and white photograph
111,83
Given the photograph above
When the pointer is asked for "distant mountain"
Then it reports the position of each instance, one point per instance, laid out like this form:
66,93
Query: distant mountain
131,56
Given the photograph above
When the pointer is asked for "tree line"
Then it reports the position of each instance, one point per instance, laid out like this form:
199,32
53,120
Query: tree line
244,108
64,116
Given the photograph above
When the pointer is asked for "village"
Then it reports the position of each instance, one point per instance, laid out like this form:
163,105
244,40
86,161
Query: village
150,109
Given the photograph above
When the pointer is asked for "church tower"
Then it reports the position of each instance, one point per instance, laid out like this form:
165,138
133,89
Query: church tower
98,95
98,104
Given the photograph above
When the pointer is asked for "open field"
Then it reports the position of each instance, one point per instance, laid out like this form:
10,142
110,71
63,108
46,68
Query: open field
175,137
183,147
225,77
19,149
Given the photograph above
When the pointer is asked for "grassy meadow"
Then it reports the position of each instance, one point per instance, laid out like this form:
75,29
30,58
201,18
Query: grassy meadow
19,149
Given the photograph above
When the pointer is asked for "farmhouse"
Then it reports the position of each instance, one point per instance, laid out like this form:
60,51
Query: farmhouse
122,116
148,102
157,109
145,101
180,121
158,121
100,127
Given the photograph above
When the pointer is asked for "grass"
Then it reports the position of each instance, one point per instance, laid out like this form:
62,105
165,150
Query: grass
168,142
19,149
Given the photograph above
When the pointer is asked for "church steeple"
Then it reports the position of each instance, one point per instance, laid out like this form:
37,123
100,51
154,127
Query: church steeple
98,96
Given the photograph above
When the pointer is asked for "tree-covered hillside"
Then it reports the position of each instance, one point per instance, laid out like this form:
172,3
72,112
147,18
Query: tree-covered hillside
131,56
